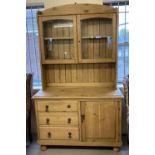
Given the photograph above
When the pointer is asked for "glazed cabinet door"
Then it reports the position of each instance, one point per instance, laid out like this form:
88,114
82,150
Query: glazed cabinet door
97,38
100,121
58,39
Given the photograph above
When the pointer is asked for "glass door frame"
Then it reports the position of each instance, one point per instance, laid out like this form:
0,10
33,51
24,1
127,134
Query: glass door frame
41,38
114,38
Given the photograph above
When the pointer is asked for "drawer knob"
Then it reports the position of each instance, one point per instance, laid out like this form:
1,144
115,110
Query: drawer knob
46,108
68,106
69,135
47,121
69,120
49,135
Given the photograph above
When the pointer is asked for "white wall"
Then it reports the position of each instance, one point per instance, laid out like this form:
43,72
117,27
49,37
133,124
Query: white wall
51,3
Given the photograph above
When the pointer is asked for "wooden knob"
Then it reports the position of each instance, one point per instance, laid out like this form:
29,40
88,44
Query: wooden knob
49,135
68,106
46,108
69,120
47,121
69,135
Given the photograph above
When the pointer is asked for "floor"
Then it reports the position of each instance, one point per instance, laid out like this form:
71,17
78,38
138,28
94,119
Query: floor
34,149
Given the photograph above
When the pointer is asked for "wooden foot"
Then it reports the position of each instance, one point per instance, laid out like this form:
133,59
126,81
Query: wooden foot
116,149
43,148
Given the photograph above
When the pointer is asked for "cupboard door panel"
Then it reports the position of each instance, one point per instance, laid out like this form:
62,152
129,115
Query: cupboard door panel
100,120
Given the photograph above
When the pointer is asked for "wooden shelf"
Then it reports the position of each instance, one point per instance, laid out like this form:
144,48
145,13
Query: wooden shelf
57,38
96,37
104,60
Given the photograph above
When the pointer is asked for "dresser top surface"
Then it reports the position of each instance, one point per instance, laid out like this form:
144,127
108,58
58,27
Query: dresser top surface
77,92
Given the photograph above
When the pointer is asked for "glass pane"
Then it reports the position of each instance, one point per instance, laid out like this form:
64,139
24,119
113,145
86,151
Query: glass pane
127,17
121,18
127,8
120,63
58,29
122,8
32,47
58,39
96,35
127,33
126,59
122,32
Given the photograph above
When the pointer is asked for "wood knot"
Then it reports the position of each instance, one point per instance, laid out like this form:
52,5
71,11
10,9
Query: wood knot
86,11
54,8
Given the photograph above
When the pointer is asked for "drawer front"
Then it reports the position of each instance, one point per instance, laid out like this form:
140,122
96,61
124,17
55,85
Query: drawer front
54,133
47,106
58,118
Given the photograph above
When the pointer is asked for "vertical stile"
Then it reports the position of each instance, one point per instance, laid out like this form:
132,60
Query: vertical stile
62,73
90,73
56,73
74,73
84,73
52,74
106,72
71,49
79,73
68,74
110,72
96,72
113,73
100,73
47,74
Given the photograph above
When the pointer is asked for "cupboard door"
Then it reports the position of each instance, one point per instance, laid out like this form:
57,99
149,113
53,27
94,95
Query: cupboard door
58,39
97,38
100,120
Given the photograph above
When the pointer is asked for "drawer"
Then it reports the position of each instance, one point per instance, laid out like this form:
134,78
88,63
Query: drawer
58,118
54,133
47,106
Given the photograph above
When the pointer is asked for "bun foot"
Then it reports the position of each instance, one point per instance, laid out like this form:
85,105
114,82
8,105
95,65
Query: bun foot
116,149
43,148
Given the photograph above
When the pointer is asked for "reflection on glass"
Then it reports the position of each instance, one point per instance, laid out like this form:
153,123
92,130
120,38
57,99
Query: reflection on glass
58,29
58,39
